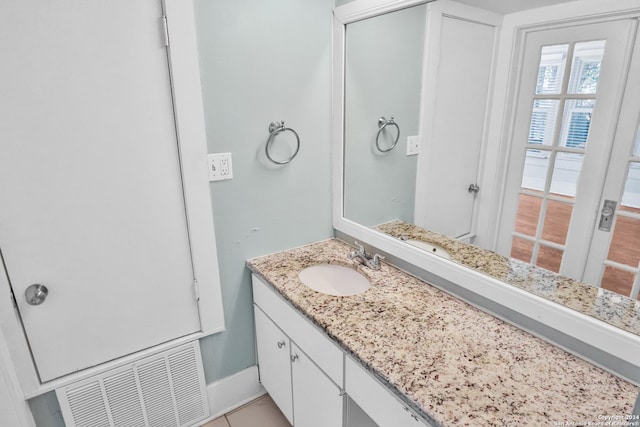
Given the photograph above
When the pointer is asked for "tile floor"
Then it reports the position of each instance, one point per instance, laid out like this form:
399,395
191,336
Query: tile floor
261,412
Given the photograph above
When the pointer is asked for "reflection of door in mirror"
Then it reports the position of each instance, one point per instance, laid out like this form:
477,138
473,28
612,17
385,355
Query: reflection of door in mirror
459,63
570,92
614,257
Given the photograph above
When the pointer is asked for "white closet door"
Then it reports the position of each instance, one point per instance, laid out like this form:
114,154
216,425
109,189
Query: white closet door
90,185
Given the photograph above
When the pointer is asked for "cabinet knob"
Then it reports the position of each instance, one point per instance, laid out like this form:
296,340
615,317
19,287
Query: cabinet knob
281,344
294,357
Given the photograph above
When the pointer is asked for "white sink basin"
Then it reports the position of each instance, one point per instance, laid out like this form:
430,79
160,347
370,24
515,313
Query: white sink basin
334,280
430,247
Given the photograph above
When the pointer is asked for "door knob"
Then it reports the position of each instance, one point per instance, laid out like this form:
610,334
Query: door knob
36,294
606,215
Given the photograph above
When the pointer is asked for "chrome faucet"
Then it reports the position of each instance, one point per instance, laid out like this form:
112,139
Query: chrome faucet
373,262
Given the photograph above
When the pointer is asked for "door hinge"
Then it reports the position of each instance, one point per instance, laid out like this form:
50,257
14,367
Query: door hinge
196,289
165,28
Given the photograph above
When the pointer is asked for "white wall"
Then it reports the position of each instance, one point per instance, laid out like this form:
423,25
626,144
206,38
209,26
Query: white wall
14,411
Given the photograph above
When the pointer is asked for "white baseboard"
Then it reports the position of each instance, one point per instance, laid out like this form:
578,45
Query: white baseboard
233,391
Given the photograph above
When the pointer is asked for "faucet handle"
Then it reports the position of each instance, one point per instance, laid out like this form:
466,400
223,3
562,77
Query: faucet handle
358,252
374,262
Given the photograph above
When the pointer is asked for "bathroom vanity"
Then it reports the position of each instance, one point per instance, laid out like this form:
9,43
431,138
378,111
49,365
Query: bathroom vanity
403,353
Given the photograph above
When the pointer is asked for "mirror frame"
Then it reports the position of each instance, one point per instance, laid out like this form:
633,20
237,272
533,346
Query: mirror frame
599,334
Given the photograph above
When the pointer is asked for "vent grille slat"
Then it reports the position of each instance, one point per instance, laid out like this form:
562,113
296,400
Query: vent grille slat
187,390
88,407
164,390
156,392
122,394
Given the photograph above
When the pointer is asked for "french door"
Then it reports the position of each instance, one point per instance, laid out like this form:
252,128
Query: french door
572,157
614,256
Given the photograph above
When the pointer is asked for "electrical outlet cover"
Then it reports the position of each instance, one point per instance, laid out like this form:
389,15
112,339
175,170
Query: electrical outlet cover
220,166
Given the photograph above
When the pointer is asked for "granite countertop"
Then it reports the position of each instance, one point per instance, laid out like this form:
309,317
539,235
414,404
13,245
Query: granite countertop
610,307
450,361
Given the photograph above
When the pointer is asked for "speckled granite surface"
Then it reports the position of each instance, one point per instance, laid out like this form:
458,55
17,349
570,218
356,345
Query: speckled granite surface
450,361
610,307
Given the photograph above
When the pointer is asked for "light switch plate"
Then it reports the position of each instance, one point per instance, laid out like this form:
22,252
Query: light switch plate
220,166
413,145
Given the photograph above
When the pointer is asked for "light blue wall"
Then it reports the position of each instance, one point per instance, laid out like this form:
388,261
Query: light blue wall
263,61
260,61
383,78
46,410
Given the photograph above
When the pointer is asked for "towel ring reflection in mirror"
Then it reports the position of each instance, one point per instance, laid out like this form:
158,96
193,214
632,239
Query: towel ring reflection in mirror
382,124
276,128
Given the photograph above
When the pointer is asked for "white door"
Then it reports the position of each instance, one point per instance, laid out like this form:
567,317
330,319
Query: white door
90,185
460,56
570,93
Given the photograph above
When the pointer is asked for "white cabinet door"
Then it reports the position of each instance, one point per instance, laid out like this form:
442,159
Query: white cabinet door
274,363
326,354
90,186
317,401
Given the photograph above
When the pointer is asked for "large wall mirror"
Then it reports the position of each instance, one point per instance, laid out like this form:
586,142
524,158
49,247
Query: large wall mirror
504,126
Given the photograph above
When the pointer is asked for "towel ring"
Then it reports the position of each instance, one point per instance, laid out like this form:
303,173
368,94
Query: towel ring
274,129
383,123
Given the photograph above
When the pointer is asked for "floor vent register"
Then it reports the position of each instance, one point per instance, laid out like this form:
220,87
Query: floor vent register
163,390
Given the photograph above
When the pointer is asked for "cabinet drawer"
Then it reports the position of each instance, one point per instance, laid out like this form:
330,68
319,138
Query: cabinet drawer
311,340
376,400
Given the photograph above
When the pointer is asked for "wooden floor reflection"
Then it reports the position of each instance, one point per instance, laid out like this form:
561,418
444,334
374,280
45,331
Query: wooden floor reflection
624,248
